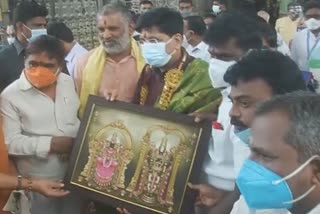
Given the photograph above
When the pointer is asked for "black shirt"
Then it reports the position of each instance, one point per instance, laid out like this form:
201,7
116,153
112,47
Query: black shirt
11,63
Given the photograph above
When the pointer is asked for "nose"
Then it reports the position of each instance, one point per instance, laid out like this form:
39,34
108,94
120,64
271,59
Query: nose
234,111
106,35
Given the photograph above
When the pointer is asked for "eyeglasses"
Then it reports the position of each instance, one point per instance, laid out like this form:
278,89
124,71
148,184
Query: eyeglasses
142,41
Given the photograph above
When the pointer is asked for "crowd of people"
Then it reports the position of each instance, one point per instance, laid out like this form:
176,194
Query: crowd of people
258,83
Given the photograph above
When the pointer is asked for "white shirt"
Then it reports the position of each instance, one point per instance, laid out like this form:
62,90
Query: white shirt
72,57
227,153
241,207
200,51
218,167
299,48
31,119
315,210
282,46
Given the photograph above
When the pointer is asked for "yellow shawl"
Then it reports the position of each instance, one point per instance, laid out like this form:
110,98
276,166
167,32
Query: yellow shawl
92,73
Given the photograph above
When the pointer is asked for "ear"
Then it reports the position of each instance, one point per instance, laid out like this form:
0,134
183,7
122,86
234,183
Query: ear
178,38
131,28
18,26
191,32
315,164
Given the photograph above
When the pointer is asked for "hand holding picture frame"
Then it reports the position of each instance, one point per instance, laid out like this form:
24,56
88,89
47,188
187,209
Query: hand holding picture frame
138,158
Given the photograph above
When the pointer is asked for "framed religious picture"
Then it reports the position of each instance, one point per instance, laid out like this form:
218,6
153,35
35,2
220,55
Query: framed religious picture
138,158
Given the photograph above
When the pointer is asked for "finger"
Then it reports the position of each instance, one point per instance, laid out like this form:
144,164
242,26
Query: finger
119,210
114,95
57,185
194,186
58,194
126,211
209,202
197,119
107,94
198,203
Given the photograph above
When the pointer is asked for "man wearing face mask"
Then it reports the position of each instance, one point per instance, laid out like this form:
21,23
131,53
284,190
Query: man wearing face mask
186,8
40,121
219,6
307,40
113,69
287,26
29,22
172,80
194,30
288,176
229,39
254,79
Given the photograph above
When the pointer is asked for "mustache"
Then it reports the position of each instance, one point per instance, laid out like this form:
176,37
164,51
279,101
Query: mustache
234,121
111,42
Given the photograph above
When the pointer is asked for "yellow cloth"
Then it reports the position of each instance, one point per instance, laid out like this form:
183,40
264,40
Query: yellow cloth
93,71
287,28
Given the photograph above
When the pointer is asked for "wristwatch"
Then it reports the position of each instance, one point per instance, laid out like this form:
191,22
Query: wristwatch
19,185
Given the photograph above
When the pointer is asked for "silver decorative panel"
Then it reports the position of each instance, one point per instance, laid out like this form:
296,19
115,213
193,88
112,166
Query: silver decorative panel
80,15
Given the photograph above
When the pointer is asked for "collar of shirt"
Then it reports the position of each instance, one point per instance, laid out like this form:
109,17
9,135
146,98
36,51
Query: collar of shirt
73,52
312,36
25,85
201,46
19,47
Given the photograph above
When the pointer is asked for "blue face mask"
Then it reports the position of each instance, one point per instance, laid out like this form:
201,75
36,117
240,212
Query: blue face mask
263,189
244,136
155,54
35,33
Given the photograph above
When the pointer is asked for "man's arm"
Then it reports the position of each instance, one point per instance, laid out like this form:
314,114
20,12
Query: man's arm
23,145
44,187
17,143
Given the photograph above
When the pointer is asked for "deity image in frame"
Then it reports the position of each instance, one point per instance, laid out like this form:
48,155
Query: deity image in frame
137,158
162,151
109,154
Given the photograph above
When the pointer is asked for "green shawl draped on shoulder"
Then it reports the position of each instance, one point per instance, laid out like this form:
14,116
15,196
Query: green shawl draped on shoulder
195,92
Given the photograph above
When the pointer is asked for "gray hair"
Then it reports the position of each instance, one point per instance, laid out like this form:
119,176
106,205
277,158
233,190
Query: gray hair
303,110
115,7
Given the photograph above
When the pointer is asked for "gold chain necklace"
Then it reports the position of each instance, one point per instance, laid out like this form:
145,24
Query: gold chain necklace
172,79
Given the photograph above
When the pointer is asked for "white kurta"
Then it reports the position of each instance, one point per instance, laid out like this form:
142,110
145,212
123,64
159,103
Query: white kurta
30,120
241,207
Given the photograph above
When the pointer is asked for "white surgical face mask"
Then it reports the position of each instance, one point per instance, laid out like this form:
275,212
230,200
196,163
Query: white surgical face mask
312,24
10,40
216,9
186,12
217,69
155,54
185,43
35,33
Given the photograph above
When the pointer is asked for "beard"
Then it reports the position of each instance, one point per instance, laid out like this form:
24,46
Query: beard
116,46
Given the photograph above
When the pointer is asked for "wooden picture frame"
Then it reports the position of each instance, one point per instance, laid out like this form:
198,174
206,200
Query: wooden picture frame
138,158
